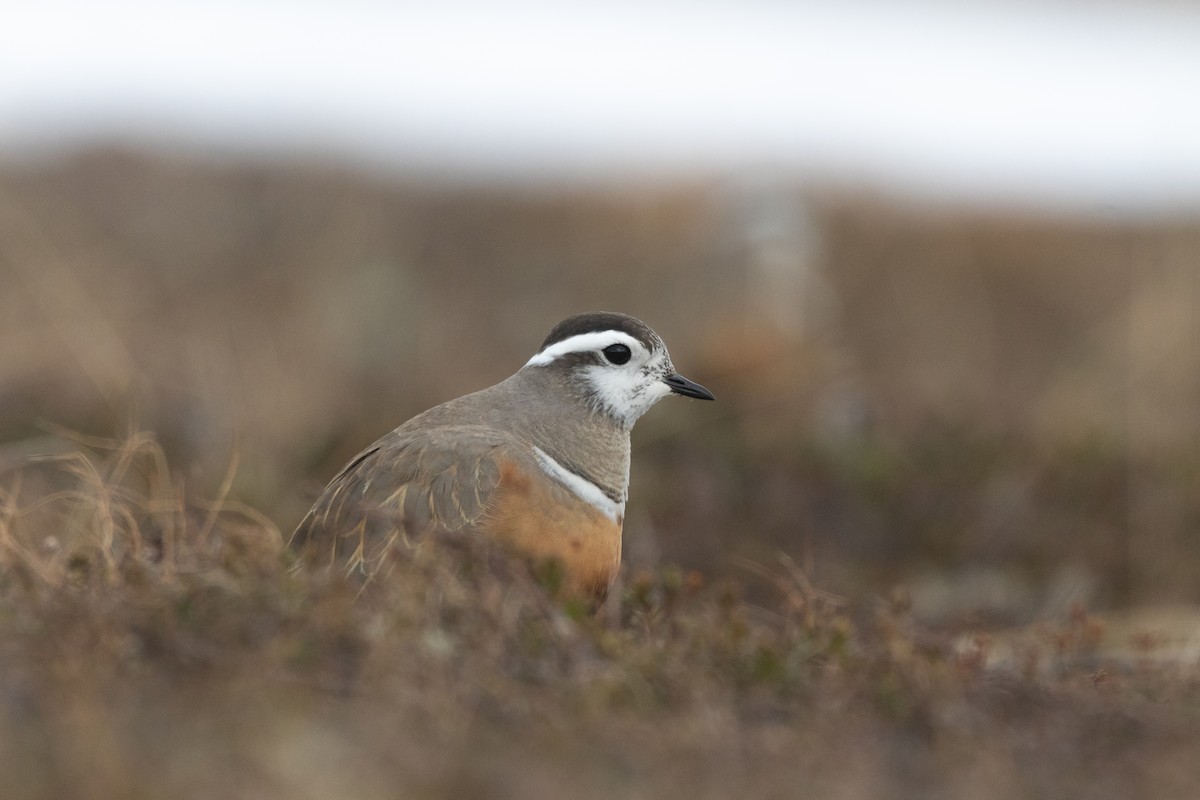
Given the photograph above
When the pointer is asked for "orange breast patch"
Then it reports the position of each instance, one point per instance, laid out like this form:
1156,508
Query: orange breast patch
543,519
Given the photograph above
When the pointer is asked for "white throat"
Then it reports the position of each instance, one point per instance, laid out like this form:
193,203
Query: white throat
625,395
584,489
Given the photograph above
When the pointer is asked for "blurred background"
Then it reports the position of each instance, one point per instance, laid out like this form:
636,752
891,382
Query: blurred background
939,263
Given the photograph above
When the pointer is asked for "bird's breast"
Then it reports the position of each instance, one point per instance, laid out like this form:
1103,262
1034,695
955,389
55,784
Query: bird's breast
544,519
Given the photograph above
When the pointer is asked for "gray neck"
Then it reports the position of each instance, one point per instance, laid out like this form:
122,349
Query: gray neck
560,421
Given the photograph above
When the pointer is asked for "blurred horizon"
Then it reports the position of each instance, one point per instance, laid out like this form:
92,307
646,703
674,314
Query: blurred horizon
1035,105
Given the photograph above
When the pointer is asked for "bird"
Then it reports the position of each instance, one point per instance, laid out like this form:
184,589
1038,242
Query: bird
538,462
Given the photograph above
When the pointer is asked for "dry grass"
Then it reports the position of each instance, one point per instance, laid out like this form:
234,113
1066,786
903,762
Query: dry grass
988,421
157,645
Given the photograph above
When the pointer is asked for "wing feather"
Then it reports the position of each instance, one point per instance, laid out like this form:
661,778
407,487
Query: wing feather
408,484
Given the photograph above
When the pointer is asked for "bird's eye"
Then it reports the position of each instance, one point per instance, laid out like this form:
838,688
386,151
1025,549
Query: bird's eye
617,353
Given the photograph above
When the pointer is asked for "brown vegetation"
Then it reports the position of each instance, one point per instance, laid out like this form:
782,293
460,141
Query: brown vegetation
155,645
911,552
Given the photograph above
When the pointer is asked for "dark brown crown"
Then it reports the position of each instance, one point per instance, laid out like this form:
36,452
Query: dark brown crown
597,321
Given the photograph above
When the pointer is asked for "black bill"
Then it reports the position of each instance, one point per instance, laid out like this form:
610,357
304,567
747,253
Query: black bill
681,385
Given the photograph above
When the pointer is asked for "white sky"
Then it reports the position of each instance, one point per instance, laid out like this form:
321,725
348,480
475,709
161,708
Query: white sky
1077,104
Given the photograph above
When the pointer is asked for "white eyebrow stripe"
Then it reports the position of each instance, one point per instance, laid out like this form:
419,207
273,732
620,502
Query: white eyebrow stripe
583,342
584,489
